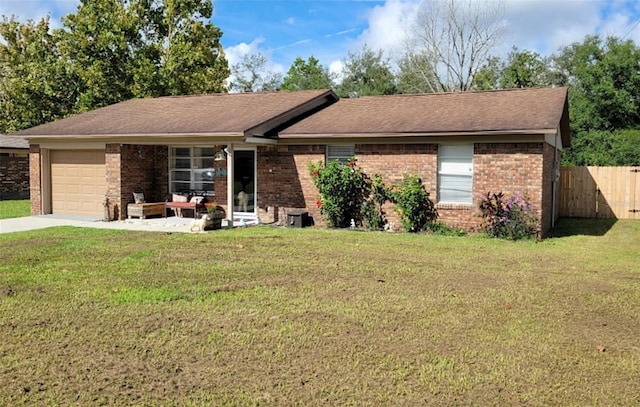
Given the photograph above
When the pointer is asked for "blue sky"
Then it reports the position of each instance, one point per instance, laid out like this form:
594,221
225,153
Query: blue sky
329,29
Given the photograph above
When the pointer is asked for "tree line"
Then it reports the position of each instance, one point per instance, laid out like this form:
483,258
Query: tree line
114,50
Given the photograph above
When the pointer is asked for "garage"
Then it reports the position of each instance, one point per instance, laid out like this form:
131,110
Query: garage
78,182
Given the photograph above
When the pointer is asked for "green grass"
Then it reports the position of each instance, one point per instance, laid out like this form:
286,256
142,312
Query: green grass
267,316
14,209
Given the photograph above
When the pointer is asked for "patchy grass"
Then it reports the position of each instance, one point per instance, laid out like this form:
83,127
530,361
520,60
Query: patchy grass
266,316
14,209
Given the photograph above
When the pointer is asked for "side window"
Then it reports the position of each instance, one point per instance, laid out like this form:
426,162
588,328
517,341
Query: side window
455,173
340,153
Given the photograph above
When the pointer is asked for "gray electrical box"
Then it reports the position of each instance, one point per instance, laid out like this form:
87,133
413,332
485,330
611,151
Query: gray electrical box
298,219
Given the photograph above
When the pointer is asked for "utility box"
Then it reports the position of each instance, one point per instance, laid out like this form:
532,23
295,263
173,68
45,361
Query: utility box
298,219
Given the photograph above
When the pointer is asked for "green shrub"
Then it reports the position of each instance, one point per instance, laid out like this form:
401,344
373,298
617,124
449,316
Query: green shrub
373,213
413,204
343,189
510,218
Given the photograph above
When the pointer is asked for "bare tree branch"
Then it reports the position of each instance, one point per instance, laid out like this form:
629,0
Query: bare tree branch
450,40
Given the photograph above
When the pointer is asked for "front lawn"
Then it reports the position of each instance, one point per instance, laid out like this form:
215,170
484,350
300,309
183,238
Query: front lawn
14,209
269,316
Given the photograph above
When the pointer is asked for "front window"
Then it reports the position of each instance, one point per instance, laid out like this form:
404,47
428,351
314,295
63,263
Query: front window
455,173
340,153
191,170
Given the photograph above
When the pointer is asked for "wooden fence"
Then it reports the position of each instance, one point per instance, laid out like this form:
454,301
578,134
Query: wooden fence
600,192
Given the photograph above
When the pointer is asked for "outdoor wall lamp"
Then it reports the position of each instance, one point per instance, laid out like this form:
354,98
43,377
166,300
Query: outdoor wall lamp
221,155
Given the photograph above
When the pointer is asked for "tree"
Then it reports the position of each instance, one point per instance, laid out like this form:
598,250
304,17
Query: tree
450,40
525,69
106,52
489,75
307,75
251,74
98,44
366,74
181,51
605,83
604,97
35,86
121,49
414,75
604,148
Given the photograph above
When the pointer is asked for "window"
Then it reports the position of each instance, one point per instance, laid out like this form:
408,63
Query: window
340,153
191,169
455,173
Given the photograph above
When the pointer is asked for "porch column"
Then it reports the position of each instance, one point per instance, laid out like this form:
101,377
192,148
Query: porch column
230,196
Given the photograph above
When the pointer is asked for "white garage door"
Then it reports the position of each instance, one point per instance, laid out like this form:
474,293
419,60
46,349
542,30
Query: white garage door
78,183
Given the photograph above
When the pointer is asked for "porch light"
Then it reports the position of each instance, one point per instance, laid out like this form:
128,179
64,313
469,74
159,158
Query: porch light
221,155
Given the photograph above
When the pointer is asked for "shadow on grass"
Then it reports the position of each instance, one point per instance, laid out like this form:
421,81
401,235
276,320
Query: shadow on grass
582,226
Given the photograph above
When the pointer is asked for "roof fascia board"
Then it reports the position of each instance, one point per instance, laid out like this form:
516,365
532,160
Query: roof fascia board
150,139
475,138
482,134
260,129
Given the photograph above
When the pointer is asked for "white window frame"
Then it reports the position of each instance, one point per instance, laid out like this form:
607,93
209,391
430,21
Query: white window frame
455,174
342,153
194,168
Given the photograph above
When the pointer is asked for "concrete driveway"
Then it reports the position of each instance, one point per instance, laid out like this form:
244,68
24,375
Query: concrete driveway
171,224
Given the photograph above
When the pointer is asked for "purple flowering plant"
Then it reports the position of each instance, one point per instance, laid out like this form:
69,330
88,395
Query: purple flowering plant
508,217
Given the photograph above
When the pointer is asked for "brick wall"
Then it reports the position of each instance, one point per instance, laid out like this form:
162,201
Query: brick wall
510,168
284,180
135,168
14,176
392,161
35,189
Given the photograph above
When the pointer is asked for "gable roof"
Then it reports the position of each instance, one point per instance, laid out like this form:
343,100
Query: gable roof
222,114
517,111
13,142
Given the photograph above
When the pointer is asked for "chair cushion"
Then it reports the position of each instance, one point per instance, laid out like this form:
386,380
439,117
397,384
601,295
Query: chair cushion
179,198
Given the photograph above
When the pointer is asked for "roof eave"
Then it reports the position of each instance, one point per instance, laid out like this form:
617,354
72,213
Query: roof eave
353,135
129,136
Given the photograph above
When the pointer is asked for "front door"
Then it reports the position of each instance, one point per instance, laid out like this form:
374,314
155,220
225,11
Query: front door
244,182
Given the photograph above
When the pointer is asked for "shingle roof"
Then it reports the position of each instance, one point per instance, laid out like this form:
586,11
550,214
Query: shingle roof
13,142
518,110
224,113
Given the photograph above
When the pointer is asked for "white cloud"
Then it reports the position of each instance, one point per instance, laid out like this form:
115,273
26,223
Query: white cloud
546,26
37,9
335,69
387,25
290,21
543,26
235,53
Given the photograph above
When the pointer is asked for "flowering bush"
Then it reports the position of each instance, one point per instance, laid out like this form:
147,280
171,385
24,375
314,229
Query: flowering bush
342,189
417,211
508,218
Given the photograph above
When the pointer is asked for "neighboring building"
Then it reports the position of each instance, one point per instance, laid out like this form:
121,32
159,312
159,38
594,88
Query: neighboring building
462,145
14,168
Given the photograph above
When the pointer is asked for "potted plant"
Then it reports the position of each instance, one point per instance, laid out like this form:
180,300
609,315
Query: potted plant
216,214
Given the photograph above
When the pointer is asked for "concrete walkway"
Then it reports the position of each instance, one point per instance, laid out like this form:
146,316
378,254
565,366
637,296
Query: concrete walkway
170,224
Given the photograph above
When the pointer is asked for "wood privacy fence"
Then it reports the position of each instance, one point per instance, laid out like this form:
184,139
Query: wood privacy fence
600,192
